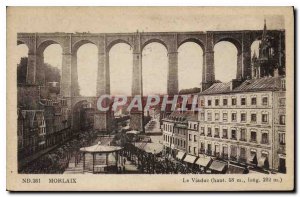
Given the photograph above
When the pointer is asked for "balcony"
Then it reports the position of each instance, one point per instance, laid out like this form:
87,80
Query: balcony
224,156
217,136
202,151
243,139
209,135
264,141
281,149
202,134
233,138
224,137
242,160
253,140
217,154
209,152
233,158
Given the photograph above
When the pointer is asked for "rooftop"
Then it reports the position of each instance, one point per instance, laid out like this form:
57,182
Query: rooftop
251,85
182,116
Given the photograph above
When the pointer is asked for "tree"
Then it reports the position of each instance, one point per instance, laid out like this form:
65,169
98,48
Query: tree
22,71
52,74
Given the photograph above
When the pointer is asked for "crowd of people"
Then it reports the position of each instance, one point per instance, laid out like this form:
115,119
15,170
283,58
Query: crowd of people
57,160
157,163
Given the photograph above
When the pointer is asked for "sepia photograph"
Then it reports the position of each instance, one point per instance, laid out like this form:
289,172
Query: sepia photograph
150,98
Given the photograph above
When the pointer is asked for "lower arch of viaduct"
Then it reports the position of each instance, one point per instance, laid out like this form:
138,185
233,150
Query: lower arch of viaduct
70,42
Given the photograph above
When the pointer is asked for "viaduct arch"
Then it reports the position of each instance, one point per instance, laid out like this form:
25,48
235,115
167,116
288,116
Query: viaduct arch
70,42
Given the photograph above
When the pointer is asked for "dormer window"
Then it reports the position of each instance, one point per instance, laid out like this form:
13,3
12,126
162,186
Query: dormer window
283,83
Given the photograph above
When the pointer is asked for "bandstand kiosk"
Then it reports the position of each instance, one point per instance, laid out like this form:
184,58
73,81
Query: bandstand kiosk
100,158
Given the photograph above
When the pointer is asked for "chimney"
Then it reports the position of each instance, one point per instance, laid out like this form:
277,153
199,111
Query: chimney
276,72
235,83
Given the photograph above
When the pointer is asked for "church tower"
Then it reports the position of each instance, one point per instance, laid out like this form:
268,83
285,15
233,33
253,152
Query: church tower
266,63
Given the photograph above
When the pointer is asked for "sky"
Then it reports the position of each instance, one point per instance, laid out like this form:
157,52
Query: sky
155,60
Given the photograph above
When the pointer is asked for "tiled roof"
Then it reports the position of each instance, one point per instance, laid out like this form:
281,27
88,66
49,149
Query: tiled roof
182,116
267,83
262,84
217,88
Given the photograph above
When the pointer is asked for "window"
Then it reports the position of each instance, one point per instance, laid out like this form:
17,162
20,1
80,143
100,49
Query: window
264,118
194,150
233,101
216,102
282,119
233,134
190,137
225,133
281,138
184,143
253,101
253,136
217,116
202,103
264,138
265,101
202,146
243,101
253,155
209,149
233,117
217,132
225,152
243,154
209,131
253,117
189,149
202,131
202,116
233,152
195,138
282,102
225,117
243,135
225,102
209,102
209,116
283,83
243,117
266,156
217,149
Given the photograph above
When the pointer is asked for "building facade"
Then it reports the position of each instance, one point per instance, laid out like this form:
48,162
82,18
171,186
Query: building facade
43,118
241,124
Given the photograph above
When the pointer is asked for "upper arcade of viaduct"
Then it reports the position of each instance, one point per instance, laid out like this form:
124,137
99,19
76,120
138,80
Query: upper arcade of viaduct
70,43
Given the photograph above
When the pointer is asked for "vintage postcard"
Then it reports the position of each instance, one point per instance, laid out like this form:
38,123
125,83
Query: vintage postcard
150,99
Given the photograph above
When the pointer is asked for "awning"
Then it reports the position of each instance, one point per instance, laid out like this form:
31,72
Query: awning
180,155
134,132
153,148
190,158
261,162
217,166
252,159
233,169
203,161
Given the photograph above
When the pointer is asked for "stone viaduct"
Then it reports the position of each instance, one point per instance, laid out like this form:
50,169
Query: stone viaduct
70,43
